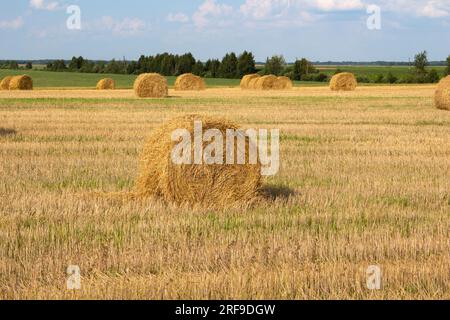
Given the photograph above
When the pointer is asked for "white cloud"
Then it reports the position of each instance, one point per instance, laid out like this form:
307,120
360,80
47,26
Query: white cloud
423,8
292,13
44,5
127,26
177,17
262,9
277,13
12,24
254,13
257,9
337,5
433,10
210,10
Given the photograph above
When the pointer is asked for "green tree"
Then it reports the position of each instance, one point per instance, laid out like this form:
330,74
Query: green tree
321,77
100,67
246,64
421,62
362,79
168,65
301,68
76,63
297,72
212,68
391,78
379,78
433,76
12,65
29,66
132,67
275,65
185,64
57,65
198,69
87,67
141,65
114,67
229,66
447,71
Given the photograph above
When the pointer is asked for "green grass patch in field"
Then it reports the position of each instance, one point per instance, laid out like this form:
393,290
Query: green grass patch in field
49,79
306,139
371,72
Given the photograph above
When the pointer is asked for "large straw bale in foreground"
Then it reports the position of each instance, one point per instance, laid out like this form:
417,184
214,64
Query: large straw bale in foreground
247,79
189,82
4,85
23,82
268,82
106,84
151,85
283,83
442,95
212,186
344,81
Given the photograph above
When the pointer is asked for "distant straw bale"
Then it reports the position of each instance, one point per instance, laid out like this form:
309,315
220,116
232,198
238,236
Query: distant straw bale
247,79
4,85
268,82
23,82
151,85
283,83
106,84
252,82
344,81
442,95
189,82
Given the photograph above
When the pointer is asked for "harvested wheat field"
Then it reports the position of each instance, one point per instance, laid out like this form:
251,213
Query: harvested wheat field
364,92
364,180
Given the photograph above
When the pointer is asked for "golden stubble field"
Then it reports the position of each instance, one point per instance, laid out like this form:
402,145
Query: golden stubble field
365,180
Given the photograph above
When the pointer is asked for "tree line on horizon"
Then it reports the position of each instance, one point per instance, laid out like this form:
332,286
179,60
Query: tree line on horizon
231,66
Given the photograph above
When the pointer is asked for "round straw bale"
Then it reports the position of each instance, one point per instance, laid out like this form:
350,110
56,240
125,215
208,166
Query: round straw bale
205,185
245,82
151,85
344,81
106,84
266,83
252,82
442,95
189,82
21,83
4,85
283,83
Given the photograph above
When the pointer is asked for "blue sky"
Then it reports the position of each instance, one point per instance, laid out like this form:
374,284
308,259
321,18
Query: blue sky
317,29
